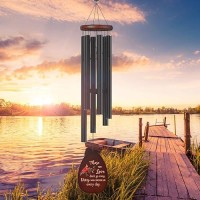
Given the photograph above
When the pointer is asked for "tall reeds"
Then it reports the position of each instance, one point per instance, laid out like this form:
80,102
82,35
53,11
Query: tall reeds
195,158
126,173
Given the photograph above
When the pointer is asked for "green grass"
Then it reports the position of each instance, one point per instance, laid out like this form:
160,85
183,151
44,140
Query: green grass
196,156
125,176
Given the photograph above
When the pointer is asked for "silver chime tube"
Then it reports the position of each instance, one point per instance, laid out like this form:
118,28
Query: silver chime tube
99,73
83,92
93,86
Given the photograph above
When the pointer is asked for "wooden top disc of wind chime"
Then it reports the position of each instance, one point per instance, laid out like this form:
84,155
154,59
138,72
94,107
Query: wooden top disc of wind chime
96,27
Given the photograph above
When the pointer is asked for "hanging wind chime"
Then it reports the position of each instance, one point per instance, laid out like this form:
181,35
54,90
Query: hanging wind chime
96,71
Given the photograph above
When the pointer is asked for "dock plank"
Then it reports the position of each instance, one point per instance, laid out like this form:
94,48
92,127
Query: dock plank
181,188
192,170
162,189
162,145
151,182
192,188
170,175
160,131
167,145
172,147
154,144
172,188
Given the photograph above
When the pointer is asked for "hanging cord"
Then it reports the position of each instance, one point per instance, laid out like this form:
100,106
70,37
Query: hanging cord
102,14
95,12
96,8
90,14
98,14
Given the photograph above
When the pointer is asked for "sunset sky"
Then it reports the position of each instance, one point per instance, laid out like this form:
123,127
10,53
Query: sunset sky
156,51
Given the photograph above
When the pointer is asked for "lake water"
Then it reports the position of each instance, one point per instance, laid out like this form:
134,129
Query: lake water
42,149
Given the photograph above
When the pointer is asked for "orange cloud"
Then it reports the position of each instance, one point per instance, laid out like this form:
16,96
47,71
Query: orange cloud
71,65
14,48
72,10
129,60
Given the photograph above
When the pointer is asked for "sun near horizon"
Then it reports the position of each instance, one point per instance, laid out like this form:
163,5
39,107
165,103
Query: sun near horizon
41,101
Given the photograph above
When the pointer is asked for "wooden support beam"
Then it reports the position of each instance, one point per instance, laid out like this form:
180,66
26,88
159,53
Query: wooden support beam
140,132
175,124
187,133
164,121
146,132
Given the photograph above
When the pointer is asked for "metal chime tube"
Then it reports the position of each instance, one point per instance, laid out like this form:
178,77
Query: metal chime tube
93,86
109,76
83,92
105,80
87,62
99,73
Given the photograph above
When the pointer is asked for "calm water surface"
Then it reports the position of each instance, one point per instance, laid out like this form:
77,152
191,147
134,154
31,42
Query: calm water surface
42,149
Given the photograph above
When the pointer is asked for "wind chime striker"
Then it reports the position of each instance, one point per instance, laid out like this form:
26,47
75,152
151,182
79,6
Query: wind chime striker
96,71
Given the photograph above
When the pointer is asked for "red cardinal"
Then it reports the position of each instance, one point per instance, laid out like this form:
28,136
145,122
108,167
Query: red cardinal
85,169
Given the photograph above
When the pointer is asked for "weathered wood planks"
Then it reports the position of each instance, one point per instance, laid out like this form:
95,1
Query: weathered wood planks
160,131
170,174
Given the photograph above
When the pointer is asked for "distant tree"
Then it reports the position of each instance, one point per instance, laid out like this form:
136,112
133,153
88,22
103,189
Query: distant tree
138,110
197,109
117,110
2,103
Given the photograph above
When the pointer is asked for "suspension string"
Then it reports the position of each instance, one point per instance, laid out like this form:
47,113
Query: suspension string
90,14
98,14
94,12
96,9
102,14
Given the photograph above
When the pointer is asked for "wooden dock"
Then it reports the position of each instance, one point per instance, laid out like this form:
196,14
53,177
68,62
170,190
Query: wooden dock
170,175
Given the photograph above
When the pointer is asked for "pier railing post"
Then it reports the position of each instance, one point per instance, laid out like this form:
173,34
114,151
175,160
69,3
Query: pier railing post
175,124
140,132
146,132
164,121
187,133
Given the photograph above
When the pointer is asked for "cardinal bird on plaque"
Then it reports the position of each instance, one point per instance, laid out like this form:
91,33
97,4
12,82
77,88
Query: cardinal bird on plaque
92,174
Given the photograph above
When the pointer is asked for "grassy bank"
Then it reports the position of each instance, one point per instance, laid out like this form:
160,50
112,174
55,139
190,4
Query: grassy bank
125,176
196,156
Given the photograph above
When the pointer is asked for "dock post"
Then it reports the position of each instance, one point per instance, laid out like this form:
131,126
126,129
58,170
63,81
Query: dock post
164,121
140,132
175,124
146,132
187,133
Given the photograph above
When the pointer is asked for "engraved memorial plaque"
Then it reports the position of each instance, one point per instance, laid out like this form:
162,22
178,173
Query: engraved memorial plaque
92,174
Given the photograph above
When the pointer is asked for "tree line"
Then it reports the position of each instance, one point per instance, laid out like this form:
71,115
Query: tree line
152,110
13,109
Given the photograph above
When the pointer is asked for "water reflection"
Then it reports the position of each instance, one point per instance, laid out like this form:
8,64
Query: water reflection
40,125
36,149
42,149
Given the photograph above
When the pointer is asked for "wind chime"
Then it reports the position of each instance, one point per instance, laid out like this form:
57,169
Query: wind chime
96,71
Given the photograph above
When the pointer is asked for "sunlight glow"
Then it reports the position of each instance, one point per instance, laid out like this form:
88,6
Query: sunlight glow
40,126
40,101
